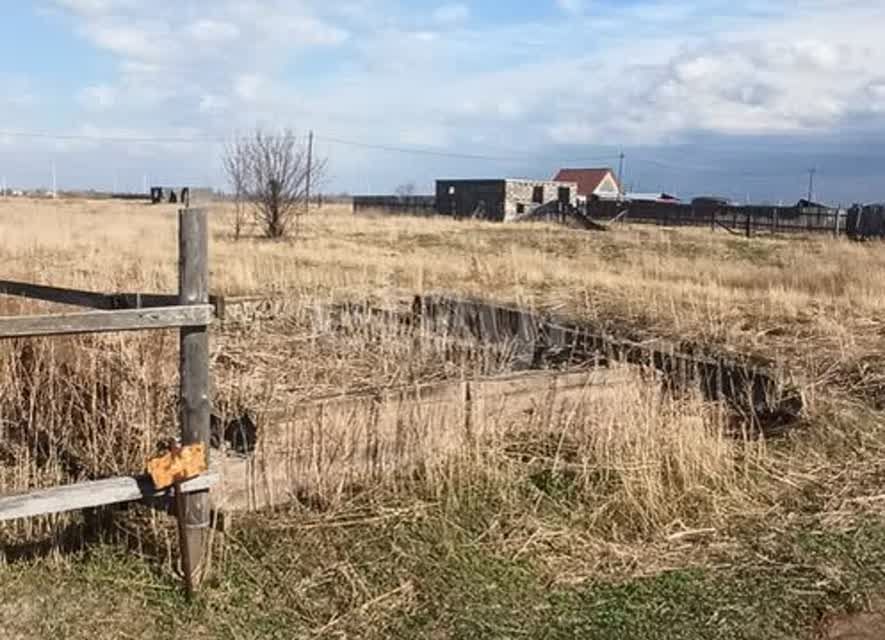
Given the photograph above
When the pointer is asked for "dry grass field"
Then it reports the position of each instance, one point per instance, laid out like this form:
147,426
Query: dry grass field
638,518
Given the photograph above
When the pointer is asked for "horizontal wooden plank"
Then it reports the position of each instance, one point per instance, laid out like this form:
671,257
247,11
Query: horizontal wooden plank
95,300
152,300
60,295
143,300
106,321
86,495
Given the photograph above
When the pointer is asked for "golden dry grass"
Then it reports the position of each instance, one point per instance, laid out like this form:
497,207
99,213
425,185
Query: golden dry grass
577,488
768,295
812,304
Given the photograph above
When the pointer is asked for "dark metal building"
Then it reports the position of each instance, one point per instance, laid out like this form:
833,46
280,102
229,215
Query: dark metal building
500,199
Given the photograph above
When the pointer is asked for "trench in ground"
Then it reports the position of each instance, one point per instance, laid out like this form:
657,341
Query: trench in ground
476,366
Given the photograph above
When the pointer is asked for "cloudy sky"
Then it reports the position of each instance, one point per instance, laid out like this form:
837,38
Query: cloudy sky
708,96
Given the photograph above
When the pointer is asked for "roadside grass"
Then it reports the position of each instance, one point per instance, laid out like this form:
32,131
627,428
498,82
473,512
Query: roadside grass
418,571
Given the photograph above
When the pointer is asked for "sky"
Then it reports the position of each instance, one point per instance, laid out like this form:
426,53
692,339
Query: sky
739,99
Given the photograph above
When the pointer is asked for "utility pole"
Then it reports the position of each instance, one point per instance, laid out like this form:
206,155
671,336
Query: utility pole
307,185
621,173
811,173
54,181
309,166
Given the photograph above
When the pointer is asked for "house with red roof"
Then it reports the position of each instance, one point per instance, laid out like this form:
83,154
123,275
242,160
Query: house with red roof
592,183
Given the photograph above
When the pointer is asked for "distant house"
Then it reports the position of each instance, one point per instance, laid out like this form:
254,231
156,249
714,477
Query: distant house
592,183
500,199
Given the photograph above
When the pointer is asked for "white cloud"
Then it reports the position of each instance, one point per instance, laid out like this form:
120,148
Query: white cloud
95,7
18,91
572,6
212,104
392,73
309,31
142,42
98,97
213,31
451,14
248,87
134,68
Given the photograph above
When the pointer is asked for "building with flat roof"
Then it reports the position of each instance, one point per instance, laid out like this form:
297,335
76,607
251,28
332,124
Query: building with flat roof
501,200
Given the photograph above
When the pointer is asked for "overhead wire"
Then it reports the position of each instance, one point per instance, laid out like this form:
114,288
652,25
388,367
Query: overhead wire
517,157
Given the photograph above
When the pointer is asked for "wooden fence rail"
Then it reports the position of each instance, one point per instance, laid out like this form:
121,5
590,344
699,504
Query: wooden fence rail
86,495
106,321
73,297
96,300
190,312
116,301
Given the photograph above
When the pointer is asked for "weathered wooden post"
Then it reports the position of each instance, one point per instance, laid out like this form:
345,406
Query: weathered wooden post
193,272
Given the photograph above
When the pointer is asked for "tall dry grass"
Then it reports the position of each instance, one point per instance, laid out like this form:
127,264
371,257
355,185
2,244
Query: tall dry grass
85,407
685,280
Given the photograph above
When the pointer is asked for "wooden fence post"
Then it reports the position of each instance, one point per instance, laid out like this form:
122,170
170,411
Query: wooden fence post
193,272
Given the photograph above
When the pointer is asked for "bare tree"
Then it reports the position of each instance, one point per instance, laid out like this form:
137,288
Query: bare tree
238,172
274,171
279,180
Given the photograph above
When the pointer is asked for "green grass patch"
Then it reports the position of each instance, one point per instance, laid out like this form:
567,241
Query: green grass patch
424,574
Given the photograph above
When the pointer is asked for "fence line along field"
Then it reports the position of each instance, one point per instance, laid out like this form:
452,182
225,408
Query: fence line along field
558,498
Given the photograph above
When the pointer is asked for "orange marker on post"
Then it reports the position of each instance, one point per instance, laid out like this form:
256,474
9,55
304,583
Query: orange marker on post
179,465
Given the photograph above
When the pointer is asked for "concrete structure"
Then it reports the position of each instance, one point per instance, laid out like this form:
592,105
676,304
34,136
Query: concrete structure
592,183
501,200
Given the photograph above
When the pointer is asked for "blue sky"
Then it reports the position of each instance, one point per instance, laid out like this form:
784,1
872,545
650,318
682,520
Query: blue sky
709,96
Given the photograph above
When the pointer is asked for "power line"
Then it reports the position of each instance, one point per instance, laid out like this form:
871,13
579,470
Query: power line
219,139
420,151
517,157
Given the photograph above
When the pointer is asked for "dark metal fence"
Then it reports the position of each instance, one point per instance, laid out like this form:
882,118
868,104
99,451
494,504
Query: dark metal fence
867,222
858,222
746,220
402,205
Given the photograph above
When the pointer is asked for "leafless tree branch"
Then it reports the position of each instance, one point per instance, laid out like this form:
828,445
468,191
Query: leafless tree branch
271,172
